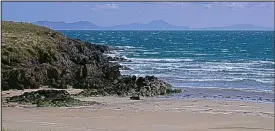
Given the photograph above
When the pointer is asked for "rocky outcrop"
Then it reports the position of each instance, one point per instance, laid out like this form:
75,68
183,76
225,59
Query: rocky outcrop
50,59
132,86
49,98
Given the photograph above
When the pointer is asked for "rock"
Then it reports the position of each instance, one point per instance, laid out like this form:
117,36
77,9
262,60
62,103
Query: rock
48,98
134,78
135,98
125,68
140,81
117,59
170,91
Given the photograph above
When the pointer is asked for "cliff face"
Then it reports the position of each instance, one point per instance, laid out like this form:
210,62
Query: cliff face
34,56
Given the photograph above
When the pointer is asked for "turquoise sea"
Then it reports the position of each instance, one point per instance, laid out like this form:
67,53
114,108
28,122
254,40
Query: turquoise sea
239,60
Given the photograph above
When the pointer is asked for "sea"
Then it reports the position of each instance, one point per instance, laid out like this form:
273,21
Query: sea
232,60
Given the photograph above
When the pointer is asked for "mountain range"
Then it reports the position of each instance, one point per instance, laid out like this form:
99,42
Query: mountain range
153,25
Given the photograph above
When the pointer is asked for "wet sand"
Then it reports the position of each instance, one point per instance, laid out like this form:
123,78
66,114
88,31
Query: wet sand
148,114
224,94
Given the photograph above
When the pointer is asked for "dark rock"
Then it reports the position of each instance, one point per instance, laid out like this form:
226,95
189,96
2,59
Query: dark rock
135,98
170,91
140,81
118,59
125,68
266,99
134,78
260,98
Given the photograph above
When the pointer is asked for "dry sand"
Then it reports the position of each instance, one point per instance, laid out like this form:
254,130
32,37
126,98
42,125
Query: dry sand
148,114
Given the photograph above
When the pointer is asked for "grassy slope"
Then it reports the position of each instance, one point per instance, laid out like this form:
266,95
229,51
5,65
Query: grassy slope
23,41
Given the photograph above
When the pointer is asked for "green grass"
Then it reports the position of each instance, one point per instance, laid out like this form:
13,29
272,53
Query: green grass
24,41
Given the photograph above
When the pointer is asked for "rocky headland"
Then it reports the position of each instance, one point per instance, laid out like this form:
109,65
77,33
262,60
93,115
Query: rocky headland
35,56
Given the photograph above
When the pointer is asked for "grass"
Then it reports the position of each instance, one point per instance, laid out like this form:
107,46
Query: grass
24,41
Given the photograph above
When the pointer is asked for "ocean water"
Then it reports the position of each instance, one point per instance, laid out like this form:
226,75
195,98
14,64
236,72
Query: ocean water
238,60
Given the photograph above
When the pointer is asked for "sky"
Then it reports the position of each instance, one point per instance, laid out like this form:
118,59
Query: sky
191,14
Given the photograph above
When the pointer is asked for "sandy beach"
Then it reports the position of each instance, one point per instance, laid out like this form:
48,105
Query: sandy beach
148,114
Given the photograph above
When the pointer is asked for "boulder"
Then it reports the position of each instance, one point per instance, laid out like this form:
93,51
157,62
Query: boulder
135,98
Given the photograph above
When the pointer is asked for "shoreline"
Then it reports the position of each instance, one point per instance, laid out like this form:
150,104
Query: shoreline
187,94
224,94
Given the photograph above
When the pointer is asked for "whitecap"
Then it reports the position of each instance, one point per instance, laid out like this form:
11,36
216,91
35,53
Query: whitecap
153,53
161,60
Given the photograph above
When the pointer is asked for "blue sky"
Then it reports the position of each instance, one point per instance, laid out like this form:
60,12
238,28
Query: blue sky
191,14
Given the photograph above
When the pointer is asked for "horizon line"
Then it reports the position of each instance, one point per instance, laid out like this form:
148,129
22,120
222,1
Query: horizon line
272,28
158,30
149,22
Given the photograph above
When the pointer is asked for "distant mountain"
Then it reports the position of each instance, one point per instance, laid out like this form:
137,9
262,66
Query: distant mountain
153,25
238,27
80,25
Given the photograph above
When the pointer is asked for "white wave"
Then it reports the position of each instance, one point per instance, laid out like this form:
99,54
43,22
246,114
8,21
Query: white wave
223,80
161,60
125,40
202,54
252,80
170,51
124,57
153,53
142,50
126,47
111,55
224,50
136,55
267,62
229,88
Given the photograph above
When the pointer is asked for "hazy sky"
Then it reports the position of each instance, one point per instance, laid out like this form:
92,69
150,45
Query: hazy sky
192,14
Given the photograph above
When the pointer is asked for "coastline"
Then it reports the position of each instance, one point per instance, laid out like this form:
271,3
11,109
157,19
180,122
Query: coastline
175,112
